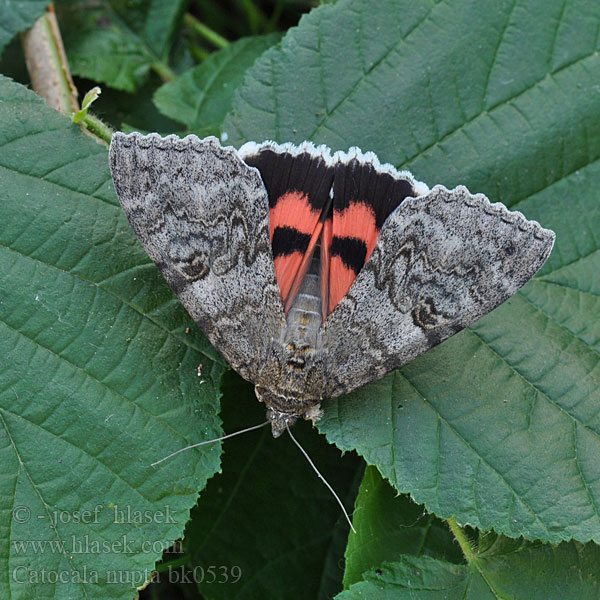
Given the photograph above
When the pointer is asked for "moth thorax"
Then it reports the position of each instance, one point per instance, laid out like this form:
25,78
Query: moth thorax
304,317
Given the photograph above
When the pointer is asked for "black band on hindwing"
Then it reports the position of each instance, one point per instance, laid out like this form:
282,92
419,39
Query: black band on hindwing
351,250
287,240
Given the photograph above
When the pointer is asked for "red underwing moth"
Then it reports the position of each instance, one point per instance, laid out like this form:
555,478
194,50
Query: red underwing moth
315,273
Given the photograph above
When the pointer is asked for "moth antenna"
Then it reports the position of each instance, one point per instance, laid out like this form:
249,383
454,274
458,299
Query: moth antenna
312,464
209,442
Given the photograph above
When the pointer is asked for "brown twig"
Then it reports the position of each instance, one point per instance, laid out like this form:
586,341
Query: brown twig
47,64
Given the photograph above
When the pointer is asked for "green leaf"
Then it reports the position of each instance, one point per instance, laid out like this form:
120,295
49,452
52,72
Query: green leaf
201,97
390,529
118,42
499,426
388,525
17,16
267,522
87,101
507,569
418,578
99,375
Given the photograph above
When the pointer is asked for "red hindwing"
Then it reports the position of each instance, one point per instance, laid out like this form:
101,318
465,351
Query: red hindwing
333,205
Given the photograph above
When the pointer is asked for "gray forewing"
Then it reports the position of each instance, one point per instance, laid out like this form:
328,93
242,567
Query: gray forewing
441,262
202,216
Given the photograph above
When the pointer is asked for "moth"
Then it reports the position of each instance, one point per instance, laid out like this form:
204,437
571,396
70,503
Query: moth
312,272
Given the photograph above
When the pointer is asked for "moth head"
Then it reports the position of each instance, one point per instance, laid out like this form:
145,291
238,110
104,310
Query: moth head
282,409
280,421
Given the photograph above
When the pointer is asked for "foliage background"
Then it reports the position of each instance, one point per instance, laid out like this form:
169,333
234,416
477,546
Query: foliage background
483,477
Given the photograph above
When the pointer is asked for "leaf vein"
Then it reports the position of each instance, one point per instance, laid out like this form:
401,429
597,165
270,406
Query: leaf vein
111,293
34,487
530,383
495,54
555,34
471,448
92,377
365,74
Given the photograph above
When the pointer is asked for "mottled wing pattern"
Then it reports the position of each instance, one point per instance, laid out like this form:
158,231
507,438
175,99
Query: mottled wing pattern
202,216
441,262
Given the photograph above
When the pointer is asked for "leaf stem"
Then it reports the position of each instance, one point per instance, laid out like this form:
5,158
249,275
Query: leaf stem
256,18
95,126
164,71
470,554
274,19
206,32
462,539
200,54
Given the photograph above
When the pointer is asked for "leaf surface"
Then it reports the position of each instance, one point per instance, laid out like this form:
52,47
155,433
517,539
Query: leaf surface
117,42
507,570
422,559
388,525
17,16
98,376
202,96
